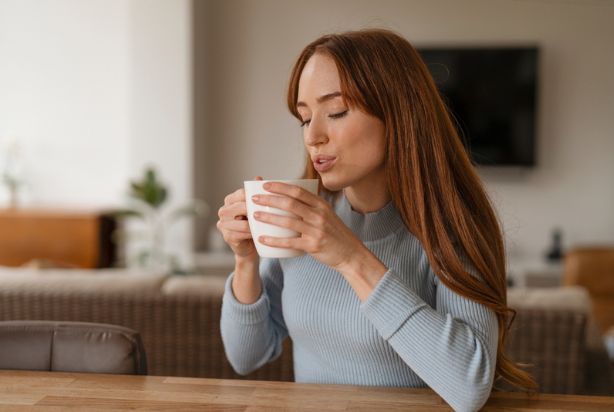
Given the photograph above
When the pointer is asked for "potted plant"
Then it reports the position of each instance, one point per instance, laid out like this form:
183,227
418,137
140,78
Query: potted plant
147,199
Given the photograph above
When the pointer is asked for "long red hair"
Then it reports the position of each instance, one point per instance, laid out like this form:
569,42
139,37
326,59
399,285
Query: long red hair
430,177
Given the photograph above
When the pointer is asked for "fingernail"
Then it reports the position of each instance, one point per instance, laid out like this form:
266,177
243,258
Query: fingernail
257,215
267,185
256,198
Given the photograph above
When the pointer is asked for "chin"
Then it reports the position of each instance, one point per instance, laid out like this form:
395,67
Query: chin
332,184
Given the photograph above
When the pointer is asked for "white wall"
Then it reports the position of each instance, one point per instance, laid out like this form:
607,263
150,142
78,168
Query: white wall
93,91
160,120
64,96
572,186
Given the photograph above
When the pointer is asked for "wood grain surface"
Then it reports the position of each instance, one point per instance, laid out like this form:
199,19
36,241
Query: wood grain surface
61,391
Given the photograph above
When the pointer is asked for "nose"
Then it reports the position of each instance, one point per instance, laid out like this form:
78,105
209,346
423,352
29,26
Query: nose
315,133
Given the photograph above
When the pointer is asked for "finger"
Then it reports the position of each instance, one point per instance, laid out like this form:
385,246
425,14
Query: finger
236,237
284,243
288,204
234,225
236,211
292,223
236,196
232,213
295,192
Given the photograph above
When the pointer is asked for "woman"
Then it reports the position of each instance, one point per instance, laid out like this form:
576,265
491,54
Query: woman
403,283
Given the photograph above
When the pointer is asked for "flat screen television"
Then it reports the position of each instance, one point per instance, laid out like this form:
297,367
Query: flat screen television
491,93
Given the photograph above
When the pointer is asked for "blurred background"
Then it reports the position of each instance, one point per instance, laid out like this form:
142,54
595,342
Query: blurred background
125,123
92,92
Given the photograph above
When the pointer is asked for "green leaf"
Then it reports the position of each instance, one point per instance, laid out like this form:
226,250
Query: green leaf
136,189
149,190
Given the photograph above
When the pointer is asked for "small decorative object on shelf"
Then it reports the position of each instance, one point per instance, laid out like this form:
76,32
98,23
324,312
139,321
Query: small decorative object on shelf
148,196
555,253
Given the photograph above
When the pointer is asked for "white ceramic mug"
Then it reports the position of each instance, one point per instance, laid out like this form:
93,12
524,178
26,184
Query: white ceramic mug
259,228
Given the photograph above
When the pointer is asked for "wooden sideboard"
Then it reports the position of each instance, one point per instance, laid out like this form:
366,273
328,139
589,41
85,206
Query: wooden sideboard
82,239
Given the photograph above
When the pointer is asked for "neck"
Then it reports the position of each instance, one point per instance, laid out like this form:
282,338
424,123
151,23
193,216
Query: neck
367,197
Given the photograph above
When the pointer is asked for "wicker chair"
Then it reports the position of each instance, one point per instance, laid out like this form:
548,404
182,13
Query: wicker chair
552,344
554,333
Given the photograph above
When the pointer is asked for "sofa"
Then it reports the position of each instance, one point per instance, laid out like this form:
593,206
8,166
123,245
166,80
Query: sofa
178,318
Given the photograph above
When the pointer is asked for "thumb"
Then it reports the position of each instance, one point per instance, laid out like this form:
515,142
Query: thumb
259,178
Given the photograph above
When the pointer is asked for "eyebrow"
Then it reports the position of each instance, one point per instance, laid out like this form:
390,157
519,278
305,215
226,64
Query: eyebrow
321,99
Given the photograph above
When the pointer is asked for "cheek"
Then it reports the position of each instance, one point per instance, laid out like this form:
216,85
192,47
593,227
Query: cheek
367,131
374,157
369,148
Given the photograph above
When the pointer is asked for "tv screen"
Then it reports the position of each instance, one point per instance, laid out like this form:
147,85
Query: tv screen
491,93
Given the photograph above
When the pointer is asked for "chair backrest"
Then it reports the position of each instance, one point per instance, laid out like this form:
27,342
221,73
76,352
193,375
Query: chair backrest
593,269
590,267
549,333
71,347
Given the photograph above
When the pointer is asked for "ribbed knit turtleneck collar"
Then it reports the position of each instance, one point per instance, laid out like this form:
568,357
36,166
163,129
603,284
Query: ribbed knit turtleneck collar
369,226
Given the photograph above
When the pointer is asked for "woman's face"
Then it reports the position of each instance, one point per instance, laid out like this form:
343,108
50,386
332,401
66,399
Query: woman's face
346,145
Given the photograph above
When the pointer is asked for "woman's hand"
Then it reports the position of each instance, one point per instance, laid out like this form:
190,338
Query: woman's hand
234,227
246,284
322,233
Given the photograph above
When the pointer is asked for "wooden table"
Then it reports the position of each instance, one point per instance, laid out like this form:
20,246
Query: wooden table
58,391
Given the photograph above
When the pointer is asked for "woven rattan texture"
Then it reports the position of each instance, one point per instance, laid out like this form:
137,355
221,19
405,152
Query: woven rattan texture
554,344
180,333
182,338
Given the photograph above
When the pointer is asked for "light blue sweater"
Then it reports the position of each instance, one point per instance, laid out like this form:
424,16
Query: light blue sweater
412,331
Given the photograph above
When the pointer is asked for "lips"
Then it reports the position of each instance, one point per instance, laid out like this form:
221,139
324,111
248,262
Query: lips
323,163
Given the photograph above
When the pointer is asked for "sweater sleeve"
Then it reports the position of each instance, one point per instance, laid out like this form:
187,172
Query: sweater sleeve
253,334
452,347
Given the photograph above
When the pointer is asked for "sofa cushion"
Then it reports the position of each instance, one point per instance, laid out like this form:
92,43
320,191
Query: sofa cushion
568,298
572,298
81,280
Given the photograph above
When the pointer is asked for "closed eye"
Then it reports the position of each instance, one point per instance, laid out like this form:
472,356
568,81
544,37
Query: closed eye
331,116
338,115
